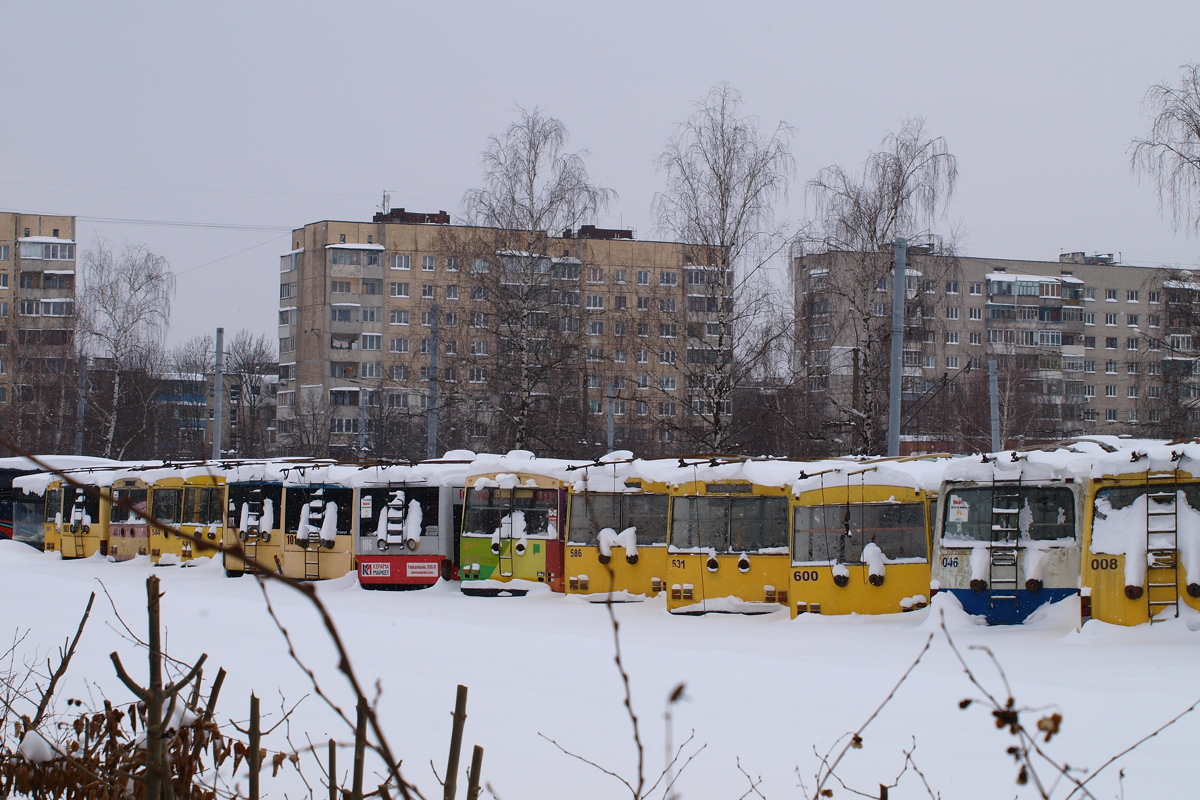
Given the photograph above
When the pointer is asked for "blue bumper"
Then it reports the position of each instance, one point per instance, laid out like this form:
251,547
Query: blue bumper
1006,612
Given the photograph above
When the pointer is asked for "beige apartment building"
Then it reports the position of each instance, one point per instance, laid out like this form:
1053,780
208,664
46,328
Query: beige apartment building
37,303
1082,345
516,338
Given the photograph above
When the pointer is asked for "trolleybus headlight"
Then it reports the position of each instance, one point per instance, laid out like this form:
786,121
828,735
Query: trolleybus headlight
1133,592
329,544
1193,589
712,564
264,536
243,536
412,544
211,535
841,580
495,548
631,558
978,585
743,564
382,544
604,559
520,548
1033,585
875,580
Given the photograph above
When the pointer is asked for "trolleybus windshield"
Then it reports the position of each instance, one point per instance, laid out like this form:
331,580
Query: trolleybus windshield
202,505
730,524
488,508
821,534
258,501
135,498
76,500
54,500
593,511
300,496
168,505
1043,513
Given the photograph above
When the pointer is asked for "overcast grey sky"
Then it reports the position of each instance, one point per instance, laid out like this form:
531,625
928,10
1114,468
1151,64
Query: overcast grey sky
274,114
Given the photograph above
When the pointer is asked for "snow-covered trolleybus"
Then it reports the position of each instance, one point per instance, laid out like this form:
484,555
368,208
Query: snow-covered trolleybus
860,536
318,521
512,524
1010,528
1141,556
254,492
729,534
617,529
191,498
408,522
128,528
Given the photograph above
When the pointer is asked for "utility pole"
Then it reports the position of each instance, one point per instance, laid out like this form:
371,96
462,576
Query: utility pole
899,285
610,416
218,392
80,403
431,433
994,404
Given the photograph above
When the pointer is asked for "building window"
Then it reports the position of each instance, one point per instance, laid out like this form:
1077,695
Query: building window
595,302
668,279
951,362
427,291
952,312
1089,341
977,288
667,330
478,320
397,317
371,286
594,353
595,407
398,372
1089,390
401,262
479,293
975,313
595,329
452,263
1131,391
397,345
1110,367
3,252
619,356
428,318
1110,319
1089,366
427,263
1154,297
1110,342
372,341
667,383
1110,295
666,305
398,290
951,337
667,357
1110,415
1089,318
477,375
342,314
370,314
595,275
1110,391
1131,295
1133,343
643,277
951,287
452,292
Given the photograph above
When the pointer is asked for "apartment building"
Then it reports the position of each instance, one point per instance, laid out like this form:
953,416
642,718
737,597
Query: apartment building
37,301
531,338
1082,345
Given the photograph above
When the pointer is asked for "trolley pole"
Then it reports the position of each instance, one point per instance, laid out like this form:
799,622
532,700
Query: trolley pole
218,391
899,285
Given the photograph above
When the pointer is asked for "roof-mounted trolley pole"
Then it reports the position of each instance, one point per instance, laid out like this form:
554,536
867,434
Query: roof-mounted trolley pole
899,284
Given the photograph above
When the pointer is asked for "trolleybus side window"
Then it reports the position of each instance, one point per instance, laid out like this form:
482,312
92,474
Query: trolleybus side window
136,498
54,501
757,523
647,513
168,505
1043,512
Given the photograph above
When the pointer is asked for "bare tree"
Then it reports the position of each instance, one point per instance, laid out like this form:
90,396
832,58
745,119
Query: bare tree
844,267
528,298
724,177
1170,152
124,313
253,367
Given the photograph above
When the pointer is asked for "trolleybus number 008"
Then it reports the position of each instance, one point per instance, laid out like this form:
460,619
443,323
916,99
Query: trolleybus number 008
805,575
1104,563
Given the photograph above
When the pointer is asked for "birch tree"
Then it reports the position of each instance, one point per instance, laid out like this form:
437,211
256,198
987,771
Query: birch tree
532,190
723,179
902,191
124,312
1169,153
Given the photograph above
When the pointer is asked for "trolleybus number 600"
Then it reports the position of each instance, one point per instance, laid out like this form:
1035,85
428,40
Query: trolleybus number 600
805,575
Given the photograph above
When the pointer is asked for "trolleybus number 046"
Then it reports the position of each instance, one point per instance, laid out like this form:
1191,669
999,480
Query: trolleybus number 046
949,561
1104,563
805,575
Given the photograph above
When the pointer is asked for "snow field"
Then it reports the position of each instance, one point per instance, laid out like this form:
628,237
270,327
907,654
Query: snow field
764,689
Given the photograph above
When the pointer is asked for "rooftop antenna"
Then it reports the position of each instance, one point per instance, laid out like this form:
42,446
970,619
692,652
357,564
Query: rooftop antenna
386,205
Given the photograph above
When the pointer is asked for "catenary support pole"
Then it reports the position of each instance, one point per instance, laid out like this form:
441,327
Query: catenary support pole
218,392
994,404
80,403
432,432
899,285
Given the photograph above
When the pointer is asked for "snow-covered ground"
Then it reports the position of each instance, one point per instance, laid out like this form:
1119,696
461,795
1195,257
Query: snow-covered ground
764,690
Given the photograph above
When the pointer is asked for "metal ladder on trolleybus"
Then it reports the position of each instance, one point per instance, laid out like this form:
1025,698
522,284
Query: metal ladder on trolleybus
1005,552
1162,558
